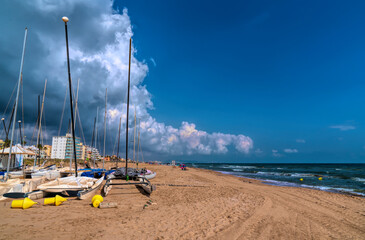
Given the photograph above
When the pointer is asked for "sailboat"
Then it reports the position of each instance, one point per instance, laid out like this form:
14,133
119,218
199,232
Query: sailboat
131,176
83,187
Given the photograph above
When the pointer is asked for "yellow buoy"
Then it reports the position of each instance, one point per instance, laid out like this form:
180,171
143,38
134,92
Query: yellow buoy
96,200
55,200
320,178
301,179
25,203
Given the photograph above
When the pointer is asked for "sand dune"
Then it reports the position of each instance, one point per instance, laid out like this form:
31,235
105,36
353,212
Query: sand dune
195,204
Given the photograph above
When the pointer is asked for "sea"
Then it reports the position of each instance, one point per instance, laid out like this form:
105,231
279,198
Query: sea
340,178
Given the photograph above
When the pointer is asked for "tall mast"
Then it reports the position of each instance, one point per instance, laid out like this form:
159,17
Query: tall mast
40,124
126,135
96,131
134,136
92,142
65,20
16,102
138,142
106,93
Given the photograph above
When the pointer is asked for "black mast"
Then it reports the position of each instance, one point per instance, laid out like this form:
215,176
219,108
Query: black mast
11,120
126,135
65,19
6,132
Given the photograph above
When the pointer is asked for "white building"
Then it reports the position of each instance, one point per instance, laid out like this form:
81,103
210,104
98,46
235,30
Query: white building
59,147
62,147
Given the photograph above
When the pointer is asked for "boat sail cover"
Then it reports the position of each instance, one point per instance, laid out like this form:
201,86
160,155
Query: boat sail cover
69,183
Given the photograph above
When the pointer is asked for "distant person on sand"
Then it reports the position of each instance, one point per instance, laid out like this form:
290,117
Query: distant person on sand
87,165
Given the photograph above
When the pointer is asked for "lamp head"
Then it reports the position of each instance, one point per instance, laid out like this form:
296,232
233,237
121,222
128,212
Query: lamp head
65,19
2,119
19,121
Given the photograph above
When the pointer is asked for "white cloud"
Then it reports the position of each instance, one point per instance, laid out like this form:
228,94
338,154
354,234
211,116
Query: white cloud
99,43
258,151
276,153
153,61
343,127
290,150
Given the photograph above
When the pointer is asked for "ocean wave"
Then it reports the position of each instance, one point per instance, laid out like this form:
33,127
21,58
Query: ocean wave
322,188
302,175
359,179
238,166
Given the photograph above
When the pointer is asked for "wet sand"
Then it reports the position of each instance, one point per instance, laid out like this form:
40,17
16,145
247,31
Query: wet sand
194,204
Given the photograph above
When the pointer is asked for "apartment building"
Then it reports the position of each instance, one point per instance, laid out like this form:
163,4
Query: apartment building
62,147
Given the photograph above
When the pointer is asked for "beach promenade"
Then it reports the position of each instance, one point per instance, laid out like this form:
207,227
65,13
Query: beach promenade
194,204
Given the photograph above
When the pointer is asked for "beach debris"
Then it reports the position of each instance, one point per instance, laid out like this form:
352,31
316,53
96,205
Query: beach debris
96,200
320,178
108,205
301,179
25,203
58,200
145,206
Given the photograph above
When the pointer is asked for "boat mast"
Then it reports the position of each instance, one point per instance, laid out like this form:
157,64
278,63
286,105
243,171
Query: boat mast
106,92
134,137
126,135
92,142
20,133
40,125
138,142
16,102
65,20
96,132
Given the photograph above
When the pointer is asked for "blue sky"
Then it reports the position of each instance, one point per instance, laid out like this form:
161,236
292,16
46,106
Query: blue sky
232,81
276,72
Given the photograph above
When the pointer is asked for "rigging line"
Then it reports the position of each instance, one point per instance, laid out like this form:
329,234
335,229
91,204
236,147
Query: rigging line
23,122
82,130
63,110
121,116
34,129
6,108
110,135
40,122
115,142
45,128
76,102
141,153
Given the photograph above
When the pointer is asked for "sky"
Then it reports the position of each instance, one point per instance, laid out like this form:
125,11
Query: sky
239,81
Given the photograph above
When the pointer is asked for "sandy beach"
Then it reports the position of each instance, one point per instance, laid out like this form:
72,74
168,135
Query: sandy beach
194,204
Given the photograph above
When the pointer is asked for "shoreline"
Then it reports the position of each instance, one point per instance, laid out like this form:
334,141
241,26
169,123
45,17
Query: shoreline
194,204
341,190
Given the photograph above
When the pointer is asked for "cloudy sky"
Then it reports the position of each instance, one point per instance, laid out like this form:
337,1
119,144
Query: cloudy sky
247,81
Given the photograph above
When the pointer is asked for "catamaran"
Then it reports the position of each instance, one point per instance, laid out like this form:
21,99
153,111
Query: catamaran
131,176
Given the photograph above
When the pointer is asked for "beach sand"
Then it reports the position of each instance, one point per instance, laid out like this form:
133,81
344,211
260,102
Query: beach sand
194,204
